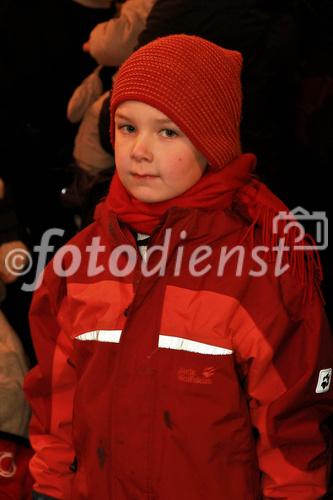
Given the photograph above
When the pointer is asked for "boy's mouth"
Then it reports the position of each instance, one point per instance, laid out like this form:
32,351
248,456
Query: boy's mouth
144,176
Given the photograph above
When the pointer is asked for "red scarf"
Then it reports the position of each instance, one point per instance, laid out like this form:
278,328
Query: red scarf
231,187
214,190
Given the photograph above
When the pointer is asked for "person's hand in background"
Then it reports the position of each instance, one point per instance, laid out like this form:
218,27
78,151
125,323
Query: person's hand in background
14,257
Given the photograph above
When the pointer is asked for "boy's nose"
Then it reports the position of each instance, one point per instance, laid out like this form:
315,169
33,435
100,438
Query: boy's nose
141,150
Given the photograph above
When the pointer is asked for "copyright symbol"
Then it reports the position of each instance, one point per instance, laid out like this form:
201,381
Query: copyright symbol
18,262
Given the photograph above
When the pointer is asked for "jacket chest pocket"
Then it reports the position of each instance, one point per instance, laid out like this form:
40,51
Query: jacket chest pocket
192,368
97,309
194,345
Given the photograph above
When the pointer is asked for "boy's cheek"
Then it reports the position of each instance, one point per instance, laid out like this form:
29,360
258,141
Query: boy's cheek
121,160
120,147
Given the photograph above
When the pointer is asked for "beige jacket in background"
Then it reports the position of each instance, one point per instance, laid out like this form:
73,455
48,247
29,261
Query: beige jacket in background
14,409
95,4
110,43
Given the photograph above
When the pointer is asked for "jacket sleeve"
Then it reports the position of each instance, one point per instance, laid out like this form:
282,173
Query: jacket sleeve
15,412
287,364
110,43
49,388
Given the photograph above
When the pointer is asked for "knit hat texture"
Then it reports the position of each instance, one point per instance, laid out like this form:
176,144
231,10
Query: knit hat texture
194,82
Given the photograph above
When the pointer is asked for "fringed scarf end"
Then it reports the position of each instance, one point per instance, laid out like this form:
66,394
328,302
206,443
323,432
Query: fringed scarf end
281,235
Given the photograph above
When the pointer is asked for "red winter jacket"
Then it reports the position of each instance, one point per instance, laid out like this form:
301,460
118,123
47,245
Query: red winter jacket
184,386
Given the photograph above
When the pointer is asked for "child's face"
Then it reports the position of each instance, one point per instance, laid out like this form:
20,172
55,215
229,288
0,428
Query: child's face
155,160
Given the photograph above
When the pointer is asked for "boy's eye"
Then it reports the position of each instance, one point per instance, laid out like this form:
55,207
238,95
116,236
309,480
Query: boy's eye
127,128
168,132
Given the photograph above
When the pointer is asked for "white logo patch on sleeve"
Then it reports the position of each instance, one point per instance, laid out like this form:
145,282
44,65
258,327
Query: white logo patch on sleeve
324,380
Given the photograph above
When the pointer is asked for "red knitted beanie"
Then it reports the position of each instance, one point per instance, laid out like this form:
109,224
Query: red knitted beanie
195,83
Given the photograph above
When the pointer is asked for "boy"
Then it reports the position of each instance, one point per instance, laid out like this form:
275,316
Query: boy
178,363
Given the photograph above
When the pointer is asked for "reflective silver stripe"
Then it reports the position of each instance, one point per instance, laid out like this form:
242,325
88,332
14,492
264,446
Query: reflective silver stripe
180,344
101,336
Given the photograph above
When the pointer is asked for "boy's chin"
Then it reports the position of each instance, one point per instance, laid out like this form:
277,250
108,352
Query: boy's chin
145,195
150,199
